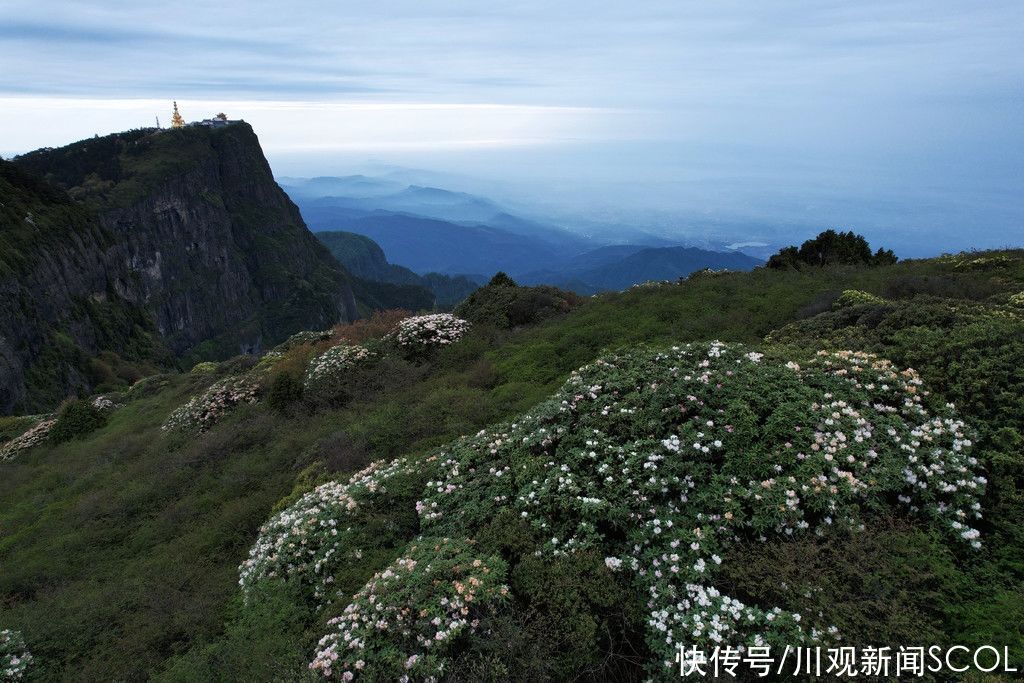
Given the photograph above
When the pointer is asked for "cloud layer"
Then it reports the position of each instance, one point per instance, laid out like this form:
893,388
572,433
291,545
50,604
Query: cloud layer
917,95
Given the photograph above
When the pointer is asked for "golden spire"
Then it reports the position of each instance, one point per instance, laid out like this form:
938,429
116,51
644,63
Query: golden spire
176,120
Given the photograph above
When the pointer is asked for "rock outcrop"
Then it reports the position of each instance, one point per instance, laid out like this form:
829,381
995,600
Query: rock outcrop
176,239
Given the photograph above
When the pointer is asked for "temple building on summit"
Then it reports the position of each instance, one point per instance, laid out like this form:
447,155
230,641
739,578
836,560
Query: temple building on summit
218,121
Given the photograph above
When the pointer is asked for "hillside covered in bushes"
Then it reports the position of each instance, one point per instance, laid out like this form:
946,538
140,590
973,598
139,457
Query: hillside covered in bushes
541,487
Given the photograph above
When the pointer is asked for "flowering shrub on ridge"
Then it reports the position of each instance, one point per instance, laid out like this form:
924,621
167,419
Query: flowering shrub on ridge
689,450
36,435
660,461
308,540
203,411
302,338
403,622
103,403
422,332
332,363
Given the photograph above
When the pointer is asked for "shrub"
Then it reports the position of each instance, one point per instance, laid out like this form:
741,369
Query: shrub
307,541
504,304
333,363
203,411
420,334
654,464
33,437
76,419
299,541
303,338
661,460
887,584
285,390
269,361
205,367
105,403
14,656
855,297
970,352
407,620
588,617
832,248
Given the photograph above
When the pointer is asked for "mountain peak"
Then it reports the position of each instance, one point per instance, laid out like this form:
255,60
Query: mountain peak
180,233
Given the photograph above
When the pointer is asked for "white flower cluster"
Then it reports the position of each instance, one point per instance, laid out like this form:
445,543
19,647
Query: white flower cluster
103,403
333,362
14,656
425,331
845,431
203,411
417,607
308,539
703,614
302,539
734,445
33,437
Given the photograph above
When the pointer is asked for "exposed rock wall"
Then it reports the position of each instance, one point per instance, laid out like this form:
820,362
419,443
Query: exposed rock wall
191,246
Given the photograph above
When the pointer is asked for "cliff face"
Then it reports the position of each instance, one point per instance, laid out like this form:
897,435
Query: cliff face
221,256
182,232
58,309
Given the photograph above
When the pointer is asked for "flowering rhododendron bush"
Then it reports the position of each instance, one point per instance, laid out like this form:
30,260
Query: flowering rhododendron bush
404,621
14,656
203,411
332,363
307,541
423,332
660,461
34,436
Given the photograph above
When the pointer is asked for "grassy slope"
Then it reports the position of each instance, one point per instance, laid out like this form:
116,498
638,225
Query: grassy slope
119,551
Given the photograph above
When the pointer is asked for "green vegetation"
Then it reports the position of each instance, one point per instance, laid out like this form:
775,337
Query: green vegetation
76,419
832,248
504,304
121,549
122,168
383,296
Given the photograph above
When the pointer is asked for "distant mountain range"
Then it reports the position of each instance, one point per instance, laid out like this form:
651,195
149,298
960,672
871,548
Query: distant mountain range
433,230
430,245
364,259
362,195
621,266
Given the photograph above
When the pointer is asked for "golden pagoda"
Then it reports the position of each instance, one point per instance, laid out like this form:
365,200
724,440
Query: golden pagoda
176,120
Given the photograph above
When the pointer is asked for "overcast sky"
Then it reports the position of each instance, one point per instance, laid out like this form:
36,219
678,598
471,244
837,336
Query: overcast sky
905,97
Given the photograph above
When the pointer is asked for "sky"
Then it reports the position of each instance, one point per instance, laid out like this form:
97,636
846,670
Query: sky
741,121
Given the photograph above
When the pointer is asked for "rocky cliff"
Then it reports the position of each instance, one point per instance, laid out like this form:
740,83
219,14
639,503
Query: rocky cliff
181,237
